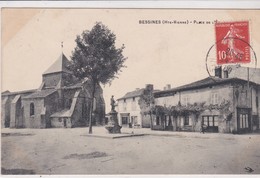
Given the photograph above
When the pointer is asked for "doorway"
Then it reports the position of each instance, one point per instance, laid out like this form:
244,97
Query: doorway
243,120
169,124
65,122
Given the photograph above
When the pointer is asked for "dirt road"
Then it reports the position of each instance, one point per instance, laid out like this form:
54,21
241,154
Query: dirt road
68,151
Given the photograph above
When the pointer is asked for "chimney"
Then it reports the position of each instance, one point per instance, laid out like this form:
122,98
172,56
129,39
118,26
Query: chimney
218,72
149,87
167,87
226,71
225,74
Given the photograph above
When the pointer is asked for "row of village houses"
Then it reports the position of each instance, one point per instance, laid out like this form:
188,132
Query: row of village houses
226,103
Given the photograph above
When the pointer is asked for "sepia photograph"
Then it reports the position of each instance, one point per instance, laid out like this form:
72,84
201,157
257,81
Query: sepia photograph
130,91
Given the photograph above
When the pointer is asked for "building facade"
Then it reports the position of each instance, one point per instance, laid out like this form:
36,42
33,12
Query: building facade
225,105
131,108
60,101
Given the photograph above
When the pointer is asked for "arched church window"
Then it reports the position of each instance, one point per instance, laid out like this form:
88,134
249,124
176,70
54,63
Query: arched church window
31,109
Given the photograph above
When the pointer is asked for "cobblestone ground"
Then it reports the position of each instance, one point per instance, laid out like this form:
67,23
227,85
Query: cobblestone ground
70,151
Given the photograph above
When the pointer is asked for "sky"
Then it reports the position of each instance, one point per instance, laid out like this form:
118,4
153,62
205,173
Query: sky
157,54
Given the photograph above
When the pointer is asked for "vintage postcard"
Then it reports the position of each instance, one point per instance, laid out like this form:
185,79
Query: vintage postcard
101,91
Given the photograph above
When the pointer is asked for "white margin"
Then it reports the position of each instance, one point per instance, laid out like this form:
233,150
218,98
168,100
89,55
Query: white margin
223,4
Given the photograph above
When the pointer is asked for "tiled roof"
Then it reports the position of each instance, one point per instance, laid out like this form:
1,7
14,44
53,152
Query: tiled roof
77,85
18,92
137,92
206,82
131,94
6,92
41,94
199,83
16,98
60,65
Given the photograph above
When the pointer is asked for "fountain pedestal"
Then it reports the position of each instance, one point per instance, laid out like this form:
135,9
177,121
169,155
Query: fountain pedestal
113,126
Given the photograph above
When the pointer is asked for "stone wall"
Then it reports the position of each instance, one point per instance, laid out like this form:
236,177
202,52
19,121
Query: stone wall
45,107
16,115
5,112
146,122
6,107
99,113
33,121
204,95
50,104
61,122
198,95
51,80
67,97
77,118
248,99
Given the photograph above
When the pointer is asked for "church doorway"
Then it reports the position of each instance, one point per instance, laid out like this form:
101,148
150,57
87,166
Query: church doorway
65,122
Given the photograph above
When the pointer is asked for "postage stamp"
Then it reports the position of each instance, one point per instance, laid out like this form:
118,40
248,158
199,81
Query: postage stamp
232,42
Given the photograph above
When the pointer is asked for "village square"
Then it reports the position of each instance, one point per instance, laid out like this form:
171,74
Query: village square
71,124
146,131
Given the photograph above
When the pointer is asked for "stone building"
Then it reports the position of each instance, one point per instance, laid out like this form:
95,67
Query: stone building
60,101
222,104
130,108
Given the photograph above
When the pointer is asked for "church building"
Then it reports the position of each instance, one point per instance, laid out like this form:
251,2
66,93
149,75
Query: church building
60,101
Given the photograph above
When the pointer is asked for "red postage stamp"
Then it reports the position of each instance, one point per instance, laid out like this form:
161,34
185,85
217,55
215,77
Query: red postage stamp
232,42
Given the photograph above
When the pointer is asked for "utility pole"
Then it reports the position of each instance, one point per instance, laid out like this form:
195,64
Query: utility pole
249,100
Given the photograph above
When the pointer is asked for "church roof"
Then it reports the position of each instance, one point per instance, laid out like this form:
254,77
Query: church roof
16,98
74,86
41,94
6,92
60,65
18,92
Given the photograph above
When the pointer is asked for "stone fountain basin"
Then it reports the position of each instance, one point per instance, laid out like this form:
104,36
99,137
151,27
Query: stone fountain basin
113,128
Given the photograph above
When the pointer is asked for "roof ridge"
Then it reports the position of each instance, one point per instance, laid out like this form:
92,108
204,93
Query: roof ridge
41,93
18,92
133,93
202,83
60,65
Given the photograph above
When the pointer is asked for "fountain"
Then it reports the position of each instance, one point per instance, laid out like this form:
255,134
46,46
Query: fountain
113,126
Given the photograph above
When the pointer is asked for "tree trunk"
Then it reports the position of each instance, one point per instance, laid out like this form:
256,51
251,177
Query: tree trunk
151,121
91,108
176,123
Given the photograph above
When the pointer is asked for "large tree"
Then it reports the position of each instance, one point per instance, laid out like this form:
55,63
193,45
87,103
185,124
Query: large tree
97,59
